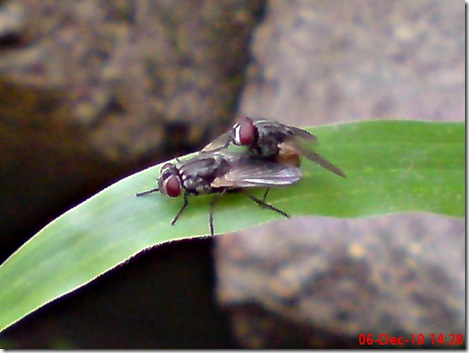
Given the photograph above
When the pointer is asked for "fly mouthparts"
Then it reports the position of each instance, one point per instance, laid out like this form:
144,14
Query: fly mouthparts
142,193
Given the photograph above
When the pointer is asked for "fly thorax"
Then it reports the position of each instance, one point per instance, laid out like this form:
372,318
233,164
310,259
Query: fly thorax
267,148
196,185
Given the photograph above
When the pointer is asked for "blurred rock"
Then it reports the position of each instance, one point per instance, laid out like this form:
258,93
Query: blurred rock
133,76
12,20
92,91
320,62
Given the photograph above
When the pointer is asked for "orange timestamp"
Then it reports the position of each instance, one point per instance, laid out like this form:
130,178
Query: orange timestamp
383,339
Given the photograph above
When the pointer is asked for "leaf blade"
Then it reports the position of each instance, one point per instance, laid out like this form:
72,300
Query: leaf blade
391,166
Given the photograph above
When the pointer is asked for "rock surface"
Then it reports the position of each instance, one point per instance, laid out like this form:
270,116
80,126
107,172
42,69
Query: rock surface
133,77
318,279
90,92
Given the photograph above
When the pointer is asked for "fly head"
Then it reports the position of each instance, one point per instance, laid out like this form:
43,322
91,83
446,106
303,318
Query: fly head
244,132
169,182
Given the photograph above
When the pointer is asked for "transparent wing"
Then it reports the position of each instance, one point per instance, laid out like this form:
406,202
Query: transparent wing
306,150
302,134
220,142
258,173
275,128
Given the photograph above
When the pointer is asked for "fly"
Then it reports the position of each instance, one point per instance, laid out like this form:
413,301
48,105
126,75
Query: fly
222,171
272,140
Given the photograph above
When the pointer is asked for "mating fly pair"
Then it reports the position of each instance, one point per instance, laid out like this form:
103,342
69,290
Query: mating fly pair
271,159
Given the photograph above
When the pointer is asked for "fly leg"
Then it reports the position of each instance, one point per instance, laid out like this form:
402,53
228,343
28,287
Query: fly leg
184,205
264,204
212,204
265,194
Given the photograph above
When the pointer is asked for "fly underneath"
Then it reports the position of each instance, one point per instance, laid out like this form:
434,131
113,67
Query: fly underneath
222,171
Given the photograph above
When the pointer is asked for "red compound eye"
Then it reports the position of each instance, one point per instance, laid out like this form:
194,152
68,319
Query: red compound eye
244,132
172,186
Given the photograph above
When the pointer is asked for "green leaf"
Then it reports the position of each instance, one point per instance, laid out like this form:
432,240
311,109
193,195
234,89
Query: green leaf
391,166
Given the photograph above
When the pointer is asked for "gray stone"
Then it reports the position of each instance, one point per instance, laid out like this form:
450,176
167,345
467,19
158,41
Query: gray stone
133,76
330,61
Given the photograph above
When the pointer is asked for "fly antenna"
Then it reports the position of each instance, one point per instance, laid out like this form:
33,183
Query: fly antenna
147,192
